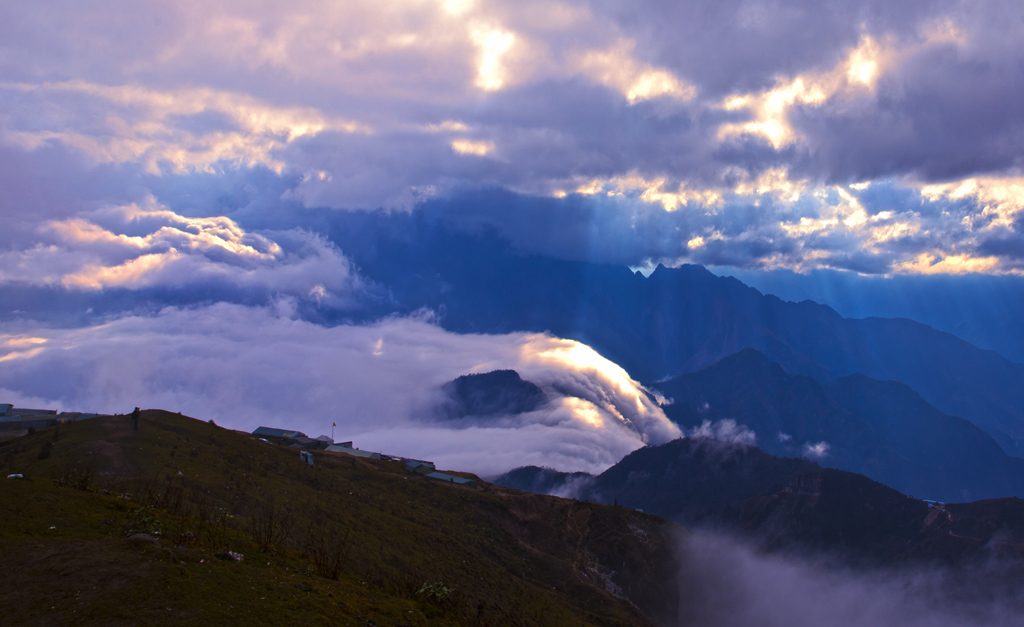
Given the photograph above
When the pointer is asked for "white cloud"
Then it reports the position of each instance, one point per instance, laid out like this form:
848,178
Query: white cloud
165,249
817,450
159,129
725,430
246,367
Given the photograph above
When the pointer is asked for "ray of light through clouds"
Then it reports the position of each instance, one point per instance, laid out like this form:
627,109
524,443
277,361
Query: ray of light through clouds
182,145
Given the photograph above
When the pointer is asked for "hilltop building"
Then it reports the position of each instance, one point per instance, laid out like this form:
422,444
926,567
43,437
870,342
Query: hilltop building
293,438
22,418
298,439
277,435
348,449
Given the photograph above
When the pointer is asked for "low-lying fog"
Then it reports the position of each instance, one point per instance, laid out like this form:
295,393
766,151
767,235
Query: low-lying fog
726,584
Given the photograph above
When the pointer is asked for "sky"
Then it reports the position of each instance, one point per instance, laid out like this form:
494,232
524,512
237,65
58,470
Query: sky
160,163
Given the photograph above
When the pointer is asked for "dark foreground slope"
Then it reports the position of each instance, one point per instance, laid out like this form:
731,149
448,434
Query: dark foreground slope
793,504
882,429
348,541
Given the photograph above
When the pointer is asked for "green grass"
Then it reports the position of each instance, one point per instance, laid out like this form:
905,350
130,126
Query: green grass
512,558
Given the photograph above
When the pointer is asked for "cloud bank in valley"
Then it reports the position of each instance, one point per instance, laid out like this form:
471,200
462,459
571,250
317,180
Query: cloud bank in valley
724,583
245,367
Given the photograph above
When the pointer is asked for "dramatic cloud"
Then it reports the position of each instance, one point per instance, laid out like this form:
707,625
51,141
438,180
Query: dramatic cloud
764,126
188,153
246,367
132,247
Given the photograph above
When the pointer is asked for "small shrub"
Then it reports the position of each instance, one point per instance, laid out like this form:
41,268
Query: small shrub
142,520
44,453
76,478
436,592
328,550
268,525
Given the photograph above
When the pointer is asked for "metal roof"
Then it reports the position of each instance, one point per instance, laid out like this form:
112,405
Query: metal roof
278,433
334,448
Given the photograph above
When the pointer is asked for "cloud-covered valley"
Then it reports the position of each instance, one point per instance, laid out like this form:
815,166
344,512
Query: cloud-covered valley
251,366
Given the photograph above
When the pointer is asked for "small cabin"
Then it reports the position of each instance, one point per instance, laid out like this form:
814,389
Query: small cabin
278,435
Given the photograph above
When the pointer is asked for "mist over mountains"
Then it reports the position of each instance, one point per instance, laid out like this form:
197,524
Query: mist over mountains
674,321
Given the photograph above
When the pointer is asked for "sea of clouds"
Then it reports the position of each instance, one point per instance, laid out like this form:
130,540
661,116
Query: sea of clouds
250,366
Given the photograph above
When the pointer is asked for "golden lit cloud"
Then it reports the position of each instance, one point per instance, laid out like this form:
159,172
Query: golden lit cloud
617,68
492,44
21,354
773,181
850,217
19,342
448,126
141,126
204,233
132,273
652,191
1001,199
177,250
769,109
584,411
806,226
937,263
629,405
471,147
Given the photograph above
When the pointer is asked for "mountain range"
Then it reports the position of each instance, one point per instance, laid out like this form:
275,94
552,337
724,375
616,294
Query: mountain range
882,429
792,504
674,321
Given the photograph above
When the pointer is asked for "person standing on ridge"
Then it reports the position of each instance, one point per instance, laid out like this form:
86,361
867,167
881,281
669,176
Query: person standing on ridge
135,419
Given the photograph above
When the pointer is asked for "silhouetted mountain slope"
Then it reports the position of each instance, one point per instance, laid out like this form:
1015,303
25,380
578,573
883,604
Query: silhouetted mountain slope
501,392
693,481
675,321
830,510
785,503
881,429
947,456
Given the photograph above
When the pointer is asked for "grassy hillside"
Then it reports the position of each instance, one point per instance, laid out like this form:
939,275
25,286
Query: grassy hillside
348,541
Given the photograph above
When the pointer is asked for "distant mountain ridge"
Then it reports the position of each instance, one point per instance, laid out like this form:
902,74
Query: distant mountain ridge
676,320
788,503
882,429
